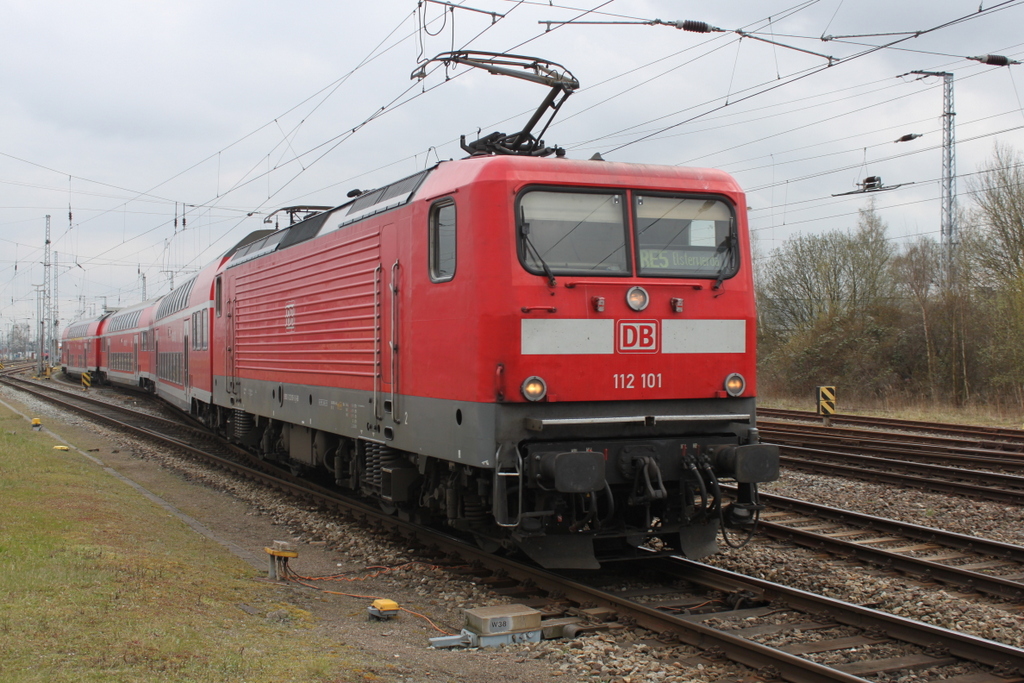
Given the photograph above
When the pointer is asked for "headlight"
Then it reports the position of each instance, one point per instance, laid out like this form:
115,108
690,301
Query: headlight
637,298
534,388
735,384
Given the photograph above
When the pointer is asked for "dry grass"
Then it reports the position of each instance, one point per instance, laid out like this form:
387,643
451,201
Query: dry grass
99,584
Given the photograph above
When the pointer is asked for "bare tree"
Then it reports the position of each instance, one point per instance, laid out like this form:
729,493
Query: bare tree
918,271
811,277
826,304
999,218
992,258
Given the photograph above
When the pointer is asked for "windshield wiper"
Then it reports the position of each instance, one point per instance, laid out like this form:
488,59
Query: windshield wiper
524,230
728,247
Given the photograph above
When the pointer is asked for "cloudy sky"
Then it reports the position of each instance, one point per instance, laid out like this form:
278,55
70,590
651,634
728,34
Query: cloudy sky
170,130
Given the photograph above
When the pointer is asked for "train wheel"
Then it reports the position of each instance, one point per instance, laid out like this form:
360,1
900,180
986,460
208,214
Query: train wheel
488,545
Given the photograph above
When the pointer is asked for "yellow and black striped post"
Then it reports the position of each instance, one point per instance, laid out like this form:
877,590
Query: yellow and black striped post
1,365
826,400
86,381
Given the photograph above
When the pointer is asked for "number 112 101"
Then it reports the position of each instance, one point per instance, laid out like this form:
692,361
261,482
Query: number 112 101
648,380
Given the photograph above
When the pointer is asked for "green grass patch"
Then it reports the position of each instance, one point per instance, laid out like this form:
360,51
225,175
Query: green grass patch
100,584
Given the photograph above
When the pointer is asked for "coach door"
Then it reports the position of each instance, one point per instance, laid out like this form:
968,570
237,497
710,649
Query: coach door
184,357
135,356
229,347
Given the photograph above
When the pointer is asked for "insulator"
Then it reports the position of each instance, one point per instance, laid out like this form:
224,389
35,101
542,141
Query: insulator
994,60
695,26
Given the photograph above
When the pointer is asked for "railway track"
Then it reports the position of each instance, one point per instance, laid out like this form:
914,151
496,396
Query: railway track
932,449
12,368
981,484
946,464
856,641
964,431
173,432
970,562
987,465
723,613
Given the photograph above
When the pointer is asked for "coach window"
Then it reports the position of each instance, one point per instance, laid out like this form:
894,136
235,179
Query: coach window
572,233
685,237
441,241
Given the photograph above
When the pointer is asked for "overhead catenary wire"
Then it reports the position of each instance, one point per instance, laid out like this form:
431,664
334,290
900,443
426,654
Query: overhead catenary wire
286,130
398,102
813,71
883,208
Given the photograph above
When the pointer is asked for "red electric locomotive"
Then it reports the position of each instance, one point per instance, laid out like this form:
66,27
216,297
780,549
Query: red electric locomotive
545,354
550,354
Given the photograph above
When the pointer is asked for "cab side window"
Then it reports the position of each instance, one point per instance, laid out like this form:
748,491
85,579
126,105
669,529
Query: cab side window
441,241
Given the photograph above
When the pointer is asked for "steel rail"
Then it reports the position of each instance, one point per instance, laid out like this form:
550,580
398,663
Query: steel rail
914,425
976,544
69,399
1002,657
910,455
912,566
921,567
912,474
1003,450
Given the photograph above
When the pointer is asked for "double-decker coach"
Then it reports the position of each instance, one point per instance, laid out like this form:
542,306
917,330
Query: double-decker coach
126,356
182,343
81,346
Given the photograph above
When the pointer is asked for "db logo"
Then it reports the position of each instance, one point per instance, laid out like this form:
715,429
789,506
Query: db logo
636,336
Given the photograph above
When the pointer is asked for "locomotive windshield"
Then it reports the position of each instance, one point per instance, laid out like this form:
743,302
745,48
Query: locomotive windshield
573,233
563,232
684,237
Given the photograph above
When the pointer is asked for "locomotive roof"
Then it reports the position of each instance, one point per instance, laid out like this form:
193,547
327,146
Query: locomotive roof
448,175
577,171
367,204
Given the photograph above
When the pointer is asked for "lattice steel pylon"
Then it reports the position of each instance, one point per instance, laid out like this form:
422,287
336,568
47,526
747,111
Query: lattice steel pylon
46,322
950,236
55,319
